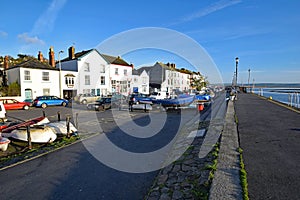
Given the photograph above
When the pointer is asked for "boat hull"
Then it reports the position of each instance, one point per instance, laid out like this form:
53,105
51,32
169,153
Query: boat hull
176,102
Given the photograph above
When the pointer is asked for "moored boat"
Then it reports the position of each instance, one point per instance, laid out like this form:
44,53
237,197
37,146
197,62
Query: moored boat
180,101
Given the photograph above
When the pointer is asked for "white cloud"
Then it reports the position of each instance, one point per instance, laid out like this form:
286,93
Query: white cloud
30,40
3,34
46,21
208,10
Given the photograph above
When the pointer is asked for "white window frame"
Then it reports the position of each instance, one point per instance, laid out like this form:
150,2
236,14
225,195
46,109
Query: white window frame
102,68
45,76
86,67
27,76
87,80
102,80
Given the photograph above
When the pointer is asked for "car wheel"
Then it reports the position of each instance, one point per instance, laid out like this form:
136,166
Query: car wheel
84,101
64,104
26,107
44,105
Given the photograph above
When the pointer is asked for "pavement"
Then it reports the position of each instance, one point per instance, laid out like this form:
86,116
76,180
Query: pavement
269,135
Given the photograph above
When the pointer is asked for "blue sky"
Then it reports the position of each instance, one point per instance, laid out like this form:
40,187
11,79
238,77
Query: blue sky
263,34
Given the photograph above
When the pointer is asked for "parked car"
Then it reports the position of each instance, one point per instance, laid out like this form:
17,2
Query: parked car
44,101
2,113
30,101
85,98
137,98
101,104
13,104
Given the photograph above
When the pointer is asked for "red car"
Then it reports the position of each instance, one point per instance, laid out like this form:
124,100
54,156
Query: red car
12,104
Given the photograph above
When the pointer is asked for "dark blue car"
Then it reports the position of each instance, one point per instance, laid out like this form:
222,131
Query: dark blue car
44,101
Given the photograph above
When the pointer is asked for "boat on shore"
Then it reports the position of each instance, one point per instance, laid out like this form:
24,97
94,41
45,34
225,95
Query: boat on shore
41,130
180,101
4,143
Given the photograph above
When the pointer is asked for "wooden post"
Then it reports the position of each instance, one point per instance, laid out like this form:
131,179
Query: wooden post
28,137
76,121
58,116
68,126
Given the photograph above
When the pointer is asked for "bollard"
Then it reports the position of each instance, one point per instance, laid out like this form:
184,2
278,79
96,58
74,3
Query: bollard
44,114
68,126
58,116
76,121
28,137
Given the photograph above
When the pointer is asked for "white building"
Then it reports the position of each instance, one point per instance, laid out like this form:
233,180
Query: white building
94,73
35,77
140,82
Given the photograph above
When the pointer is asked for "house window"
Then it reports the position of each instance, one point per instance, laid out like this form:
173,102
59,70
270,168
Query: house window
46,91
87,80
27,75
86,67
113,82
125,72
69,81
102,80
116,71
102,68
45,76
144,80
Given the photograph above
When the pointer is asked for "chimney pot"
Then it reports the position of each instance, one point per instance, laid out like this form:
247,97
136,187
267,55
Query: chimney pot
5,62
51,57
71,52
40,57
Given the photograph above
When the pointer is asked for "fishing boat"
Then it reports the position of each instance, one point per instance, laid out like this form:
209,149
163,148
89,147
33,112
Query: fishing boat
202,98
179,101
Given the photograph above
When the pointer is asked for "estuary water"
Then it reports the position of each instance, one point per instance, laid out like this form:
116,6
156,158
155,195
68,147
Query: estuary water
286,93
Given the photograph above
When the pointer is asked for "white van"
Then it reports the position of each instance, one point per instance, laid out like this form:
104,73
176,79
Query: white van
2,112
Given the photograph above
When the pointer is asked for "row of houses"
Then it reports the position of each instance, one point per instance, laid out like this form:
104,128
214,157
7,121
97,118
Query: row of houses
91,72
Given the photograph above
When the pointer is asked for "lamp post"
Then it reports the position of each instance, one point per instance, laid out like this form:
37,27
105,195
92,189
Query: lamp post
249,78
59,64
236,70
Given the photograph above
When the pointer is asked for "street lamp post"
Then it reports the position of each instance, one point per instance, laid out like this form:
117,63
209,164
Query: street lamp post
59,64
236,70
249,79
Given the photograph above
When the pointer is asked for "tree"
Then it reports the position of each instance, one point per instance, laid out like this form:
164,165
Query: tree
199,83
14,89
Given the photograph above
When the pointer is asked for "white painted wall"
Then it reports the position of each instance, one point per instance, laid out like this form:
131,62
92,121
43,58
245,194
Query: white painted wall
36,84
141,82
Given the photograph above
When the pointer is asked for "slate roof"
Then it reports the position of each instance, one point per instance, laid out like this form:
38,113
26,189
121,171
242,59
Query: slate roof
33,64
110,59
77,55
115,60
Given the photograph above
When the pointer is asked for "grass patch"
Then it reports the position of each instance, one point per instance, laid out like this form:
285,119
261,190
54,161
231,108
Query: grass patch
243,176
18,150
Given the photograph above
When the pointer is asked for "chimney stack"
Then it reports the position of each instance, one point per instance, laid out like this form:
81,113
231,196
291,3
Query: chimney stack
71,52
51,57
40,57
5,62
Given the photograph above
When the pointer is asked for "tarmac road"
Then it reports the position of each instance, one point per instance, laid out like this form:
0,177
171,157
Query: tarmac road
270,138
74,173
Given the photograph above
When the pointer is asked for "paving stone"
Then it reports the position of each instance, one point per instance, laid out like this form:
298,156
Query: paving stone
165,197
162,179
177,195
